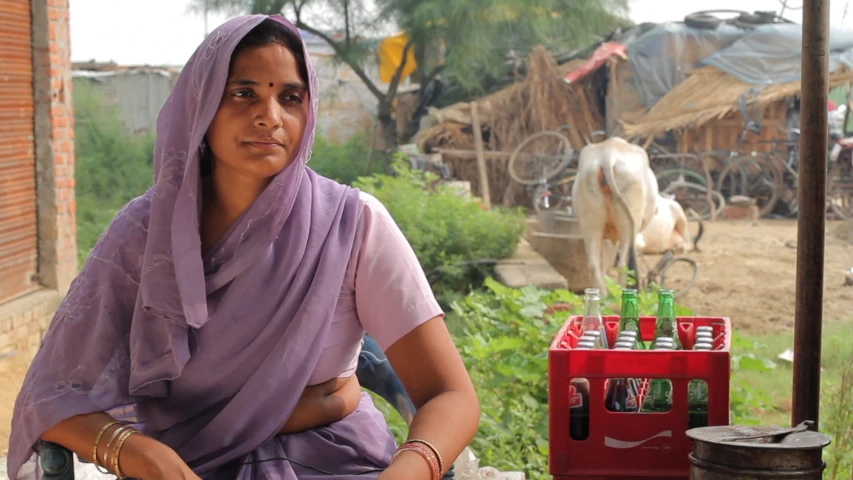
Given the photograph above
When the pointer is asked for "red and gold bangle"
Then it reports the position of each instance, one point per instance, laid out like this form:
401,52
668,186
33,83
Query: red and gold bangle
434,451
424,452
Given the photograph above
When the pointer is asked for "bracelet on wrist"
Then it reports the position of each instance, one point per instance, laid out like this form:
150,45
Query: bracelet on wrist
425,453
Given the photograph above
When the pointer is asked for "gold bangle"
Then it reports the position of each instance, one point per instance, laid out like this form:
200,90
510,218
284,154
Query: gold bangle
119,444
117,433
434,450
101,433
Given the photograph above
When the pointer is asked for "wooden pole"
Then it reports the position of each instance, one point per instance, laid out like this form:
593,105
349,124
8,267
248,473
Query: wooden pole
847,109
481,156
808,316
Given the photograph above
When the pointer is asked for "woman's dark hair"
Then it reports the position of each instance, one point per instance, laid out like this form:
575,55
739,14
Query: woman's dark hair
266,33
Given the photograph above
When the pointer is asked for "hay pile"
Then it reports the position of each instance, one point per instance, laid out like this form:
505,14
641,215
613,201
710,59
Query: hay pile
542,101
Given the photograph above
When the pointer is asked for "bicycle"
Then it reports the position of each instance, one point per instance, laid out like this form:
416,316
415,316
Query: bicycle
839,181
658,275
691,193
538,160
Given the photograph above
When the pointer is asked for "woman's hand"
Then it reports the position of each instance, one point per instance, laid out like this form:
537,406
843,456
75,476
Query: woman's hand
147,459
323,404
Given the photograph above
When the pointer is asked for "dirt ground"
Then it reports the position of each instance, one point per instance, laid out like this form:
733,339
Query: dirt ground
746,273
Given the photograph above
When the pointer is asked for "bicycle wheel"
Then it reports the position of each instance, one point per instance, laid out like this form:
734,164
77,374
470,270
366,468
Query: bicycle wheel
753,176
665,177
683,278
839,191
540,156
695,196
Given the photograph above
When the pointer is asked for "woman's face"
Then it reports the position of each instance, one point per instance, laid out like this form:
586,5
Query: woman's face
258,127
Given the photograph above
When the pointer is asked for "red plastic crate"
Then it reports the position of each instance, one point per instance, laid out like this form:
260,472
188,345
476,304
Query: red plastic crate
633,445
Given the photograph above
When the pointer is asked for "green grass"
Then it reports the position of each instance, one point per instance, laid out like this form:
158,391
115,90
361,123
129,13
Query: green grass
776,384
762,392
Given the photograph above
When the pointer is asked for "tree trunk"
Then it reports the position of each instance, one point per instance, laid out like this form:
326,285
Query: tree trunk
389,127
389,132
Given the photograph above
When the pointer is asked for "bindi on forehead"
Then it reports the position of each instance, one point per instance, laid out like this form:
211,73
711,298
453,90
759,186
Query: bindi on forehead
272,84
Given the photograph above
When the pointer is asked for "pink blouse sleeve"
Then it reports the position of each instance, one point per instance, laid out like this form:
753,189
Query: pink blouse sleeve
392,295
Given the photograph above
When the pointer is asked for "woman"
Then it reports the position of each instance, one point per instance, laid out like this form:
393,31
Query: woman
222,311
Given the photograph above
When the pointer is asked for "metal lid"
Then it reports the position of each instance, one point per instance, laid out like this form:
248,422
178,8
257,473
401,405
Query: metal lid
761,437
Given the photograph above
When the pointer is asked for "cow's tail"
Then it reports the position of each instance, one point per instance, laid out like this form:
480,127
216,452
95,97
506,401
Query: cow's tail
609,180
695,240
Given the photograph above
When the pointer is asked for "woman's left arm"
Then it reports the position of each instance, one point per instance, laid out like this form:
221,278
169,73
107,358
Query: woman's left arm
448,412
397,307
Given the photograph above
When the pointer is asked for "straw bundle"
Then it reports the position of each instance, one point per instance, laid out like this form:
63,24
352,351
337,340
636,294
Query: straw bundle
542,101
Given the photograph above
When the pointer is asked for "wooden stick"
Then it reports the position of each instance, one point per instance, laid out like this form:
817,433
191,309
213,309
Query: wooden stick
470,153
481,156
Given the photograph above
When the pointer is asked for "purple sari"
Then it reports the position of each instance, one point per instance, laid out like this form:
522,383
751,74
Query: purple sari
211,354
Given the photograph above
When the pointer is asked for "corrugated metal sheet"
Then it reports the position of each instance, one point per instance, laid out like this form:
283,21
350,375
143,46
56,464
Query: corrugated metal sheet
18,233
138,95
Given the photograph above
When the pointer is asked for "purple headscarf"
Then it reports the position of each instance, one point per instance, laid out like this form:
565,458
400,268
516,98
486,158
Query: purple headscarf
208,355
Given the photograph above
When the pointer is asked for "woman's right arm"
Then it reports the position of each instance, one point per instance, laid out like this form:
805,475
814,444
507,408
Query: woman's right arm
140,456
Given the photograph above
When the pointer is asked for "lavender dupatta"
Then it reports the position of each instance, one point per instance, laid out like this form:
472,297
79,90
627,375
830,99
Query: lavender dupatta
211,354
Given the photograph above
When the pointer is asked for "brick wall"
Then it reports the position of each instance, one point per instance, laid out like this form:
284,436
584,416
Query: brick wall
54,143
24,321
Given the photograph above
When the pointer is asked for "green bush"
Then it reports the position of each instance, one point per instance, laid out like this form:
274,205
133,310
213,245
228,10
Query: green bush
344,162
112,167
444,228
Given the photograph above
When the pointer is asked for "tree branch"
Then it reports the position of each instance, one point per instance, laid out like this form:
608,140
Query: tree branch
433,74
355,67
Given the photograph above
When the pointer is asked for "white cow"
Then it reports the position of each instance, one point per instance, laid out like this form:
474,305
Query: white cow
614,199
668,229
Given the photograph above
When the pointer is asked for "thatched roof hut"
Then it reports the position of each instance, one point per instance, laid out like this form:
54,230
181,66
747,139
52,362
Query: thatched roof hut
541,101
677,82
703,109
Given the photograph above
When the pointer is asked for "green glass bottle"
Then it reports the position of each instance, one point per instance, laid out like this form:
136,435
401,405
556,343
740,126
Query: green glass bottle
659,396
697,400
665,323
629,316
697,404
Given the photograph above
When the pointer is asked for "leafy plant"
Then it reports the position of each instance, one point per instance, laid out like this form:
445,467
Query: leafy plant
343,162
444,228
503,335
744,399
112,167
